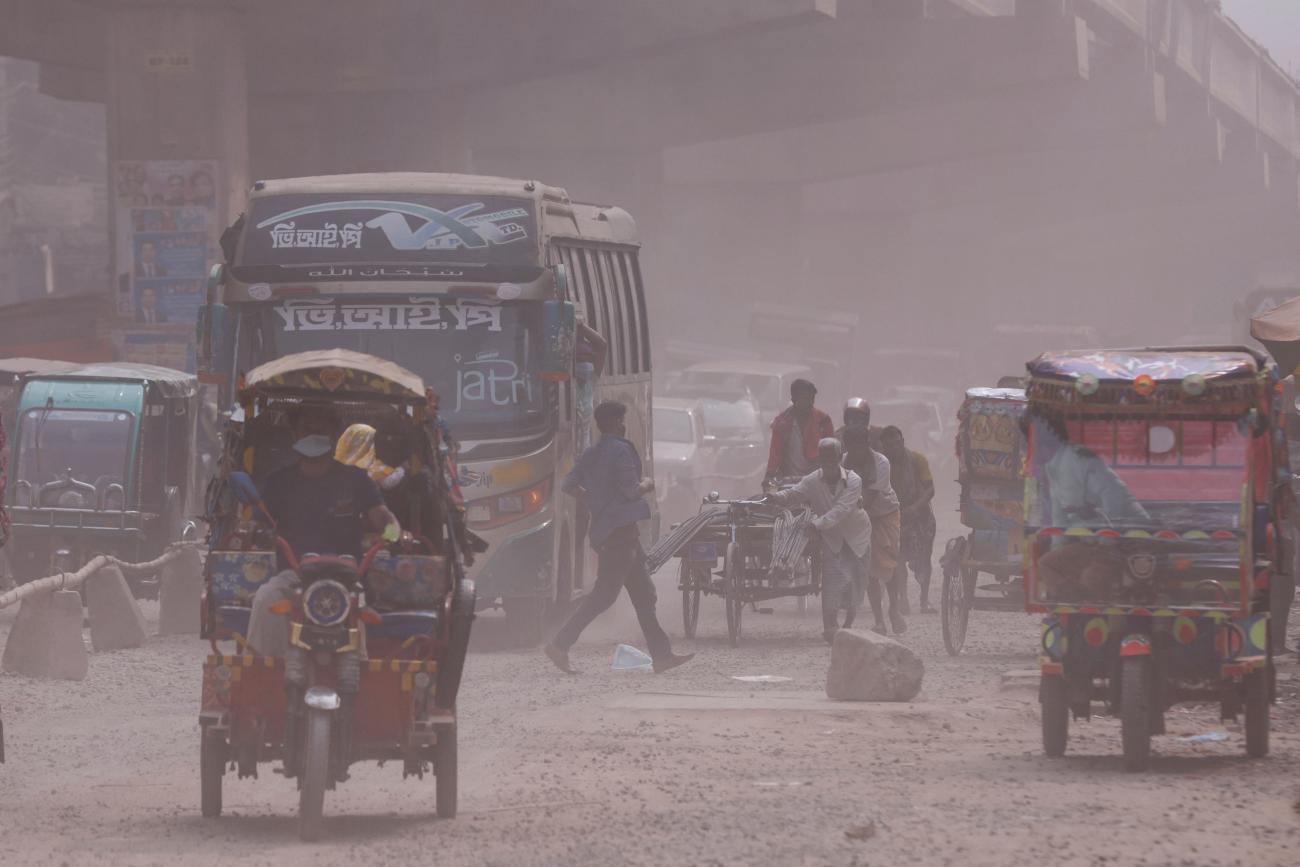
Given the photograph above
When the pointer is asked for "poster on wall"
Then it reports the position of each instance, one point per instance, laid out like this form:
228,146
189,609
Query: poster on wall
167,228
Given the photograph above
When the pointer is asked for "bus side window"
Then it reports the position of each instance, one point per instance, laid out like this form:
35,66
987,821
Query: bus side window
598,315
638,294
617,314
635,312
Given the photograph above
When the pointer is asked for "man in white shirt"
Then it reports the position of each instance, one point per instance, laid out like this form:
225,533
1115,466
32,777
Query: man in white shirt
834,495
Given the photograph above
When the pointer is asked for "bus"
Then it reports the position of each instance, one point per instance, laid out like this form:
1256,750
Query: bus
449,276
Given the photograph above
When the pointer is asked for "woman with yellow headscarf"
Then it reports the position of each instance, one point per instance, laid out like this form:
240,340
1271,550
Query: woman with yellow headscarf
356,448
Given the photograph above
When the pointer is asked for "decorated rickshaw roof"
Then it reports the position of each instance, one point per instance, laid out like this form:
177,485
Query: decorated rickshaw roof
337,371
1128,365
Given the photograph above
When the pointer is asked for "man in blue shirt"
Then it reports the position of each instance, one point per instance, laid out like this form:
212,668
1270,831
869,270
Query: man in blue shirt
607,478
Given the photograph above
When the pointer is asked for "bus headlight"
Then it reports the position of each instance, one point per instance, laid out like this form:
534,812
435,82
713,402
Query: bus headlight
505,508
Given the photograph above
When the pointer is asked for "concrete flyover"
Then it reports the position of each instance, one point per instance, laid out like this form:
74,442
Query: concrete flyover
1128,163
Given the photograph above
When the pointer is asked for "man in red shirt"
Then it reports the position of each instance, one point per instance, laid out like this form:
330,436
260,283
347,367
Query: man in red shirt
796,433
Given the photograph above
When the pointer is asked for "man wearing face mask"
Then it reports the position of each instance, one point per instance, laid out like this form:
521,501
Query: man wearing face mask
320,506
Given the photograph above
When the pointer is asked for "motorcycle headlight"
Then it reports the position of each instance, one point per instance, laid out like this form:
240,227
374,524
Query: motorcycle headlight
326,603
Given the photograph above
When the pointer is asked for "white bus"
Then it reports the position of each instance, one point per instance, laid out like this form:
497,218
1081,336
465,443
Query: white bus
449,275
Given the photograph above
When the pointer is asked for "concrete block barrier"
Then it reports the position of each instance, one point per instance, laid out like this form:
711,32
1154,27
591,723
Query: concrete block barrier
45,640
181,586
115,620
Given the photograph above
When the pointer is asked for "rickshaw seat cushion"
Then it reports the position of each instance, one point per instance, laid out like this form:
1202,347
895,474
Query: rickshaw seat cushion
407,582
234,576
405,624
233,619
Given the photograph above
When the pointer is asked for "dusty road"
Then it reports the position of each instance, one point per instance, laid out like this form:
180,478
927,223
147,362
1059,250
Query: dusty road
691,767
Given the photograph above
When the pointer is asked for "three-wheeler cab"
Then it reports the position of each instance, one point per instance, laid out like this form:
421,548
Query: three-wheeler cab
376,646
1156,481
101,462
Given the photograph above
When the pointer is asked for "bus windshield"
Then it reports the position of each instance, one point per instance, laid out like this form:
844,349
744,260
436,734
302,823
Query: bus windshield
480,357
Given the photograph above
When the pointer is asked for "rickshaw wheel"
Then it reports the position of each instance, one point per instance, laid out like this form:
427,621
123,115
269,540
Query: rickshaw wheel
690,598
444,769
954,607
1056,714
212,767
315,773
1256,710
1135,712
732,580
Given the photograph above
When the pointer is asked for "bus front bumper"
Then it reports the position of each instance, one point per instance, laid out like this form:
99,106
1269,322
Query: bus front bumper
520,566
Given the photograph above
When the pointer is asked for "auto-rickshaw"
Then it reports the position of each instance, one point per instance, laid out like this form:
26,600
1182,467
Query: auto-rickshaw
1155,483
990,459
102,462
376,648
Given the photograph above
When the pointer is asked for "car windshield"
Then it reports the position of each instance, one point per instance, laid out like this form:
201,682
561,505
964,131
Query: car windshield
726,419
673,426
92,445
764,388
481,358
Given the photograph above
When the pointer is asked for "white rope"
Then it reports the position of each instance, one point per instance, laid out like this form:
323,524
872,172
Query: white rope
67,580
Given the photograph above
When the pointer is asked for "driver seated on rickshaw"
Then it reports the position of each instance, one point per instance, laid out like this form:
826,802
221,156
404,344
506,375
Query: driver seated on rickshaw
1081,489
320,506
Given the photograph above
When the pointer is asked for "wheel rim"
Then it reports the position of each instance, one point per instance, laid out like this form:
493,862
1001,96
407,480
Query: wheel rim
955,610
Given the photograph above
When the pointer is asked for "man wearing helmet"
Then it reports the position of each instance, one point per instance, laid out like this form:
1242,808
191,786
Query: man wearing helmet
834,495
881,504
796,433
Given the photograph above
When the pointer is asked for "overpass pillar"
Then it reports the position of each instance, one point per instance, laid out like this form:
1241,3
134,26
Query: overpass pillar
177,133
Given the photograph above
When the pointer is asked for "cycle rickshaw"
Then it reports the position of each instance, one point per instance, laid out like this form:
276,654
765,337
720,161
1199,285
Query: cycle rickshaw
990,455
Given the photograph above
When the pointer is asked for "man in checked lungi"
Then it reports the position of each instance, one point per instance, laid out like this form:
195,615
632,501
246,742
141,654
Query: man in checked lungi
834,495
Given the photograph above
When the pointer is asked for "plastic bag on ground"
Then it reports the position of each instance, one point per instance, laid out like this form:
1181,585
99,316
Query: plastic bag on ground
628,658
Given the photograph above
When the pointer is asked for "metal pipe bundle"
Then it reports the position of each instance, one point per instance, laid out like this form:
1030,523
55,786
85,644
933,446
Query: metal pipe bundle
788,539
669,545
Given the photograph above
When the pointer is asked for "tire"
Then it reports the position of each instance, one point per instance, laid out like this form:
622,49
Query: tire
1256,703
526,618
954,608
315,774
212,767
732,584
1056,714
690,598
1135,711
444,769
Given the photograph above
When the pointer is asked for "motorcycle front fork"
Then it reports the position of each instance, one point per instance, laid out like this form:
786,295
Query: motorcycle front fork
297,680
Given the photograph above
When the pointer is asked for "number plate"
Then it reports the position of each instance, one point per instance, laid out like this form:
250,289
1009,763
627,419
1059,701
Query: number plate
702,552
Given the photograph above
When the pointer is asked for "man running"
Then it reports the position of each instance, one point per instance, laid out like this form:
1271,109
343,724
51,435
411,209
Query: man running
607,478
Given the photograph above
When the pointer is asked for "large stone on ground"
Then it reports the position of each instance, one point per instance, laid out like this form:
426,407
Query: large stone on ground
45,639
179,591
866,666
115,620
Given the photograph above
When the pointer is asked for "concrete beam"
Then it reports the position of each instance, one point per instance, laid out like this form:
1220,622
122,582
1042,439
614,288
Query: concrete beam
814,73
492,42
63,32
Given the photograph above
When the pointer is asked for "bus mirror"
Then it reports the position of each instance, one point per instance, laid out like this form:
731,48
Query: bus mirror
558,326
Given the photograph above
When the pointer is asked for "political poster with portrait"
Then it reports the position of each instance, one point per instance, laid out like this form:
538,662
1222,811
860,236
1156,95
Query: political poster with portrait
167,229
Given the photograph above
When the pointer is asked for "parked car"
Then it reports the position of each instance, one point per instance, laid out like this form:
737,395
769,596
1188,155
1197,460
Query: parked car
766,383
703,445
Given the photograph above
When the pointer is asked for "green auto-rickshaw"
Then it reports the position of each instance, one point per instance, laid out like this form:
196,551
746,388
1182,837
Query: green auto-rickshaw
102,460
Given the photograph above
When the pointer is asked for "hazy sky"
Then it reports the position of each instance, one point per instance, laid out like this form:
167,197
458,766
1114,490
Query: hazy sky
1275,24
